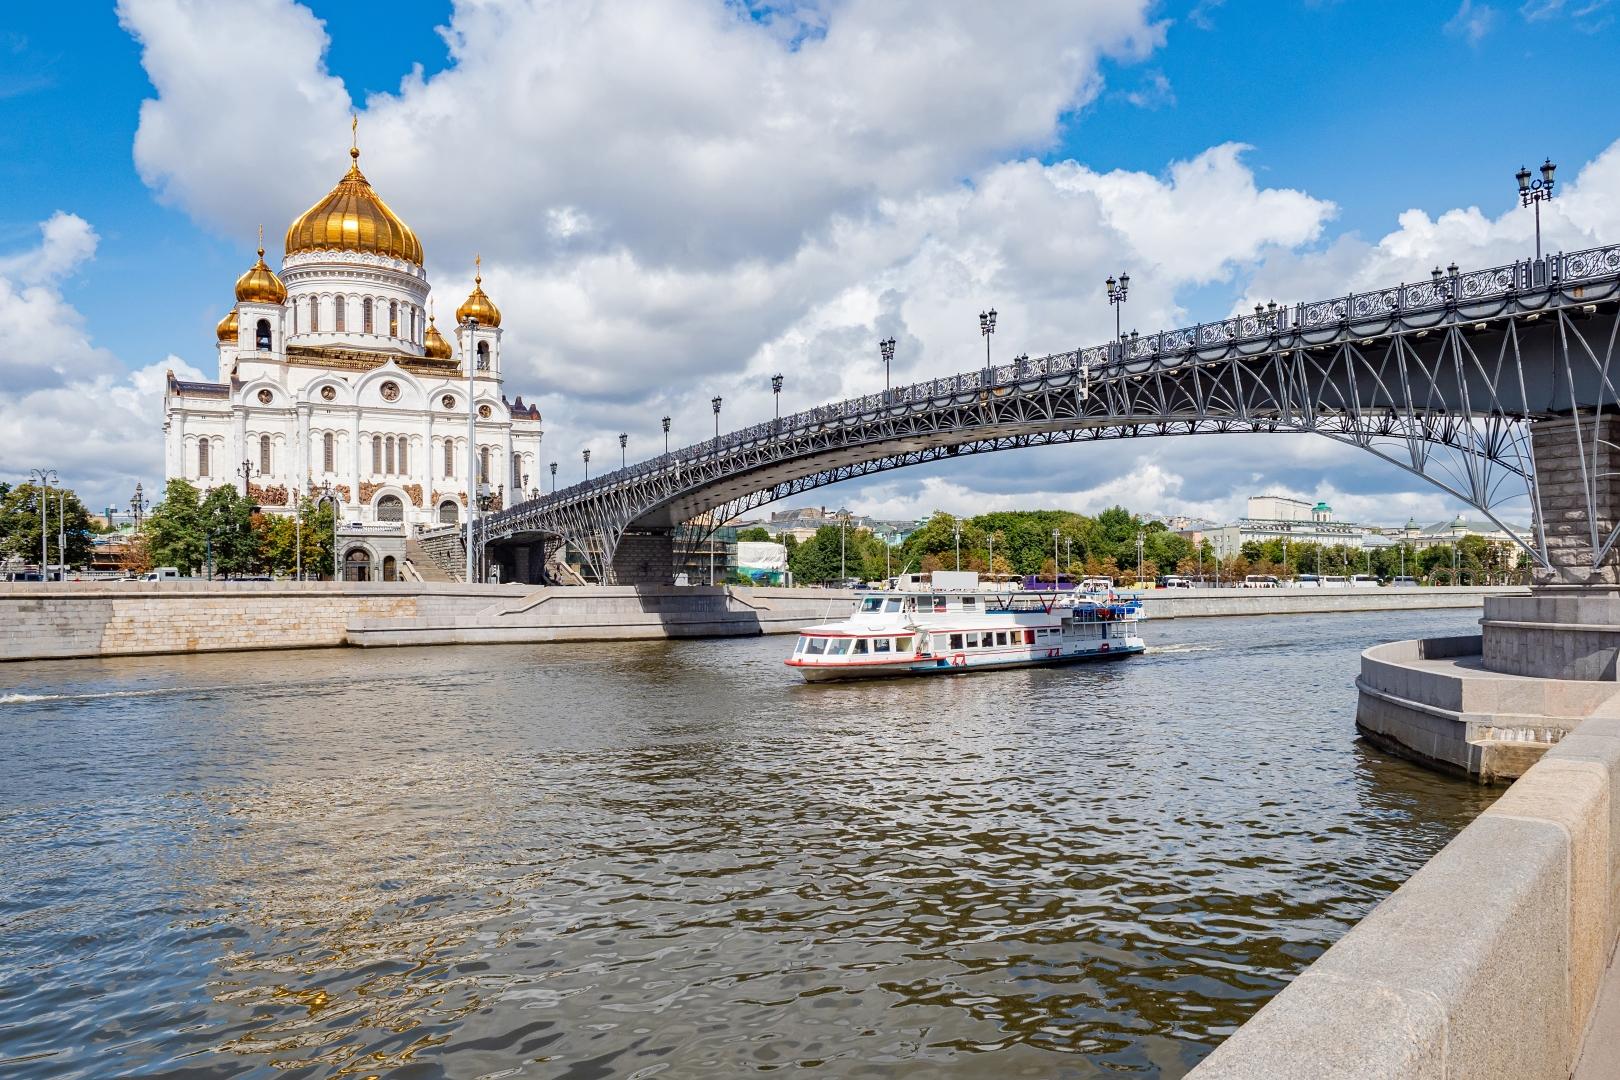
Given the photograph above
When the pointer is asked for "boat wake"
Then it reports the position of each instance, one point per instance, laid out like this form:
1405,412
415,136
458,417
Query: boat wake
1162,650
30,699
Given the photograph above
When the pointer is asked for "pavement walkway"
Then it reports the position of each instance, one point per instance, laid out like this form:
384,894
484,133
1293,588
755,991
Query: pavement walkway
1600,1051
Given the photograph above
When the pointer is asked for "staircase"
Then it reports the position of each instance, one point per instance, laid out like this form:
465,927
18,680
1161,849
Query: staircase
436,557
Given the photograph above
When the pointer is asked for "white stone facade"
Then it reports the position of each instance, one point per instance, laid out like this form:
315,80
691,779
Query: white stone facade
334,389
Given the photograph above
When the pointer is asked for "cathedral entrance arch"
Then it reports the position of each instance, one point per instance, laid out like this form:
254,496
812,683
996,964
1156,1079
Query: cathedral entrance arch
357,565
390,569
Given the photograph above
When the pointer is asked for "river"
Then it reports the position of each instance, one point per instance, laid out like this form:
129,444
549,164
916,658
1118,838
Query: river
672,859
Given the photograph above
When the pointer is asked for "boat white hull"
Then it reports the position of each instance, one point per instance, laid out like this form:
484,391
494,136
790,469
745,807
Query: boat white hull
962,663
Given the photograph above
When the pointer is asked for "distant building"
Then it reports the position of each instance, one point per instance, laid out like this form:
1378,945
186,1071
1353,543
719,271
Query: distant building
1280,517
1454,529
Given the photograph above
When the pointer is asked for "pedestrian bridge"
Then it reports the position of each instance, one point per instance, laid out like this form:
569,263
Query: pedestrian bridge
1450,378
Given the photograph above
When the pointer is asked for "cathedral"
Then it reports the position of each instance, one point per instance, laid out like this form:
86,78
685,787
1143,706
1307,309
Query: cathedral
334,379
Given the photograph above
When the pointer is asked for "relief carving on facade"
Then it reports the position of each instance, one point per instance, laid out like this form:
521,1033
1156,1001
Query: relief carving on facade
414,491
273,495
368,489
440,496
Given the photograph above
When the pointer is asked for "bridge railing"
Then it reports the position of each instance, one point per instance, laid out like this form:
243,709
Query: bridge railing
1446,289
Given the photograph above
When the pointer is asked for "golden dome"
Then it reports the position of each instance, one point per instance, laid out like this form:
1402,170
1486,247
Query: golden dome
226,330
260,284
353,217
477,305
434,345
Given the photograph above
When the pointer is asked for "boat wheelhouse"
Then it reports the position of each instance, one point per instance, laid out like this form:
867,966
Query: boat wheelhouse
931,631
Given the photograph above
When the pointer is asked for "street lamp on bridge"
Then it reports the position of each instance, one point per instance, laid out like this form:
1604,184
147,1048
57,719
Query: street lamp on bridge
1118,292
624,438
886,348
1535,192
587,455
987,326
714,402
666,434
776,394
554,478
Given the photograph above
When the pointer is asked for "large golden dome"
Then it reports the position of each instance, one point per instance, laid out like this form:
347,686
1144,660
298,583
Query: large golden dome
433,343
260,284
478,306
227,328
353,217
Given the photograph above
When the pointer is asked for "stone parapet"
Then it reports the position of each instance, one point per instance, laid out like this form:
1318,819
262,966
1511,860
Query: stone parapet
1485,964
1555,633
1578,496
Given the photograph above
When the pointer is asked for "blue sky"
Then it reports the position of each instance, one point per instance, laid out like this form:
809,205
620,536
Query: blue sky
1377,108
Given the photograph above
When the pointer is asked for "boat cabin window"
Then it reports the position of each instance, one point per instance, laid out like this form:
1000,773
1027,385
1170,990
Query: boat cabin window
1029,637
902,644
956,641
838,646
799,646
1001,637
860,647
939,602
891,605
970,603
872,603
816,646
973,641
880,644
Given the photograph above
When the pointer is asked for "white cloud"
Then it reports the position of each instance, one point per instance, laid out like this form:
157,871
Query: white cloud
65,403
1471,23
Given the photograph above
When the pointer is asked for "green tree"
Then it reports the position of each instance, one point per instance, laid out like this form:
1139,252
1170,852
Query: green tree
756,534
66,517
816,559
228,521
174,530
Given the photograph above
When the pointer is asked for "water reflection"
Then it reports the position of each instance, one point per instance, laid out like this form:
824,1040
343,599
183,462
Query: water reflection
672,859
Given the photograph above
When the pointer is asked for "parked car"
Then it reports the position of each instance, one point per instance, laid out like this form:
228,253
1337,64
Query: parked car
1363,581
162,573
1174,581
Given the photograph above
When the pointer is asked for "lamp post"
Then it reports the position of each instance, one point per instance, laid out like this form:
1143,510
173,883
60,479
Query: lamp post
990,561
44,478
714,403
666,434
843,522
472,440
1068,557
586,454
138,505
956,528
554,478
1536,192
987,326
1056,563
624,438
776,394
886,347
1141,540
1118,292
246,471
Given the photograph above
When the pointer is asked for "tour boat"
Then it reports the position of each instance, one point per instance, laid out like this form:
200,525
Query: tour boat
953,625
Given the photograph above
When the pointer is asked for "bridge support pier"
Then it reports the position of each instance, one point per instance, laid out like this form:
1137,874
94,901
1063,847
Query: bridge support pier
520,563
644,557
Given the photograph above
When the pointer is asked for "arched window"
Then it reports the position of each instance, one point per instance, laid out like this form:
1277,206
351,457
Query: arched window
389,508
202,457
337,314
264,455
390,569
404,466
449,459
365,315
357,565
329,452
393,318
447,513
483,464
314,314
261,335
376,454
517,473
295,320
390,456
483,356
410,321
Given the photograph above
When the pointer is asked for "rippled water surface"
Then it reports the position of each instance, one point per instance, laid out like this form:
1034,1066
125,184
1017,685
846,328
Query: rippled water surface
671,859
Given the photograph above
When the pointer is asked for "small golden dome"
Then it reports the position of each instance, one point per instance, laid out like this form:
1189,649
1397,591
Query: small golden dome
353,217
226,330
260,284
434,345
477,305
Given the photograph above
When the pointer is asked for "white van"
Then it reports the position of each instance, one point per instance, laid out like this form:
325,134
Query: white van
1333,581
1363,581
162,573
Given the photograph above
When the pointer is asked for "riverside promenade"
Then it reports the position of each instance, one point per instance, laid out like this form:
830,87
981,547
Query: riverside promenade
80,619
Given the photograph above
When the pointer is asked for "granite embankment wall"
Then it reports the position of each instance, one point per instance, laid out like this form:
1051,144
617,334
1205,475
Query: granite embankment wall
1487,963
134,618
